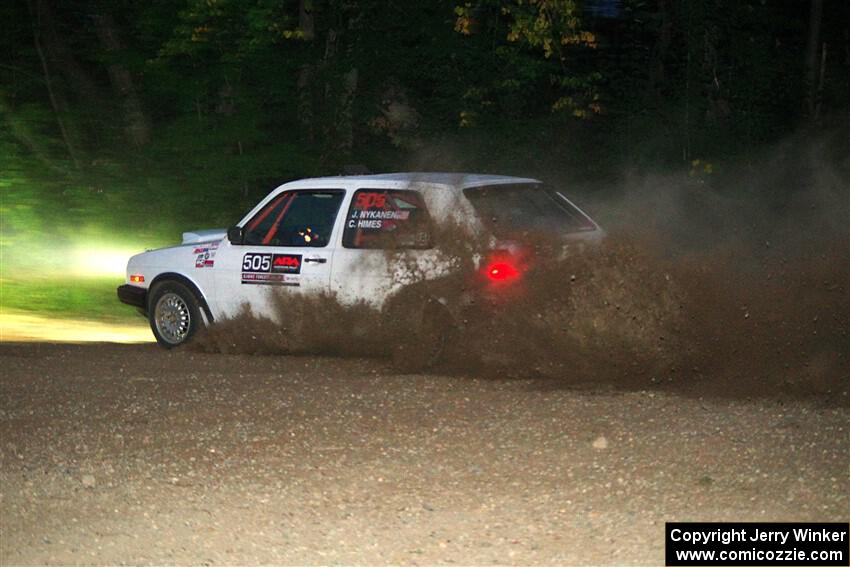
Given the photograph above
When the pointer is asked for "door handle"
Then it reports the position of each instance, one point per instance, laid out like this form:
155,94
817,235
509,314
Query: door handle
317,260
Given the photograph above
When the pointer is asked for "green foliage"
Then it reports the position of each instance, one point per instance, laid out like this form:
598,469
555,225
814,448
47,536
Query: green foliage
229,30
240,96
708,75
538,65
243,95
86,298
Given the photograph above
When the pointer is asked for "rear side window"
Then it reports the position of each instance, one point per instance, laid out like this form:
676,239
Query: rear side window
510,209
380,218
295,218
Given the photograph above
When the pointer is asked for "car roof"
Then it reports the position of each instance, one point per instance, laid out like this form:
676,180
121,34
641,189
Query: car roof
457,181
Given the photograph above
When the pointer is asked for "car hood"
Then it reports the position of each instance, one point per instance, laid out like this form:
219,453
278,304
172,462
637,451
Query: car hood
207,235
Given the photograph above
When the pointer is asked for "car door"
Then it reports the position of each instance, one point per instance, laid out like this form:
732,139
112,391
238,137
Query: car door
287,247
386,233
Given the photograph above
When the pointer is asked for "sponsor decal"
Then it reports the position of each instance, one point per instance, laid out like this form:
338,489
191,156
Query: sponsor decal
270,279
271,269
287,263
205,255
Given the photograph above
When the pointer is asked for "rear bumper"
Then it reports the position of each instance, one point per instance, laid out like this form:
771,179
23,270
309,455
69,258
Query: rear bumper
133,295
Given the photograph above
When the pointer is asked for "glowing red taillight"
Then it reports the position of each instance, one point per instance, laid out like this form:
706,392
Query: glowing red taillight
137,278
500,271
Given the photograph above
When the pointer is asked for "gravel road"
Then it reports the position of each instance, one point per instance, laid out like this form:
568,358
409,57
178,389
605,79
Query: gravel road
128,454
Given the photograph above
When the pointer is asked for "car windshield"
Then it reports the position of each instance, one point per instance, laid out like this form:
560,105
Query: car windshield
510,209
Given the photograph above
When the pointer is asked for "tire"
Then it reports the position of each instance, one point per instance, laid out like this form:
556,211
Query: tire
174,313
420,348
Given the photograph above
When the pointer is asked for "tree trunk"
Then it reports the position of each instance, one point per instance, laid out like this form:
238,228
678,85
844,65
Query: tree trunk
305,101
657,71
812,45
60,55
821,79
89,119
345,122
306,22
136,123
54,99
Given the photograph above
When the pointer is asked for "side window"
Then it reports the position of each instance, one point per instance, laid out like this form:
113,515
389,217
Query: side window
387,219
295,218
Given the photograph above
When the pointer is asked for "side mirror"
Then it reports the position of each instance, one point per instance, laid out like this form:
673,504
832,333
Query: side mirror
235,234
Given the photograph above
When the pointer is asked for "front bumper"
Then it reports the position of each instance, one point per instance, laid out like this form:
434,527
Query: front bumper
133,295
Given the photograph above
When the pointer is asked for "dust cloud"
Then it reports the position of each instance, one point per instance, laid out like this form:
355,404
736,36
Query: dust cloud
731,285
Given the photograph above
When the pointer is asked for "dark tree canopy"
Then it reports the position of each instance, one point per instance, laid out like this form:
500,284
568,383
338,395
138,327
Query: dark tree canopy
217,100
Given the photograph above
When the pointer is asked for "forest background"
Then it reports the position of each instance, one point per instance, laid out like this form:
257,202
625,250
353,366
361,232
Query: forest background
125,122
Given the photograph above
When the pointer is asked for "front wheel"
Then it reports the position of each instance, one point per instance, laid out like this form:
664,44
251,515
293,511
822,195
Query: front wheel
174,313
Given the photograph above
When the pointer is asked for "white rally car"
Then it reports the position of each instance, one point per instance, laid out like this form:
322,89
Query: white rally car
332,235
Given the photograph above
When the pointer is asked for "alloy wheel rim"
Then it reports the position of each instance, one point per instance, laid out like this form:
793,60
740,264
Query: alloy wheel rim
172,318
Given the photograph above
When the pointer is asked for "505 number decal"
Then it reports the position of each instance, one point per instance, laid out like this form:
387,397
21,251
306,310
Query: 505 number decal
280,269
257,263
